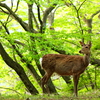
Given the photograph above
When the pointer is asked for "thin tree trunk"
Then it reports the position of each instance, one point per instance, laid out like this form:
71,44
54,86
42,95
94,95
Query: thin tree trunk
89,77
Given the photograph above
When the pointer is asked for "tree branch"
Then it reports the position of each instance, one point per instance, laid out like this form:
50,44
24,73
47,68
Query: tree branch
78,17
30,22
81,5
39,18
45,15
17,5
34,18
11,90
18,42
51,18
89,21
4,25
95,14
2,10
19,20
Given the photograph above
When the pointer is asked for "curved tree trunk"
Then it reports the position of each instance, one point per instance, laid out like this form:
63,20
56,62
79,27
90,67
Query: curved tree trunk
19,70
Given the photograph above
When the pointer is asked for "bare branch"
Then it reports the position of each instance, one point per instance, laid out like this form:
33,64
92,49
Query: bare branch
7,20
17,5
11,4
2,10
78,17
81,5
39,18
34,18
18,42
45,15
47,12
19,20
95,14
67,4
5,27
11,90
89,21
51,18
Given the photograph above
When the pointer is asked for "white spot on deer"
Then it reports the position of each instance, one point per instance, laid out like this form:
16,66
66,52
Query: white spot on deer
40,62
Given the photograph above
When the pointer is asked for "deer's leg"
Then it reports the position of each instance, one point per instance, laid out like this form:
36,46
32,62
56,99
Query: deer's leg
45,79
76,79
43,83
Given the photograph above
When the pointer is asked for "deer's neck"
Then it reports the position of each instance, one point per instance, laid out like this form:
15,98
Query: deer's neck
86,59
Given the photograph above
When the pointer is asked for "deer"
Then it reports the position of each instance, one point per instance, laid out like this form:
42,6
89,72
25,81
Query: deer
63,64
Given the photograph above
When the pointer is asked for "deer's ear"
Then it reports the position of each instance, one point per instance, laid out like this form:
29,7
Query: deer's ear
81,43
90,44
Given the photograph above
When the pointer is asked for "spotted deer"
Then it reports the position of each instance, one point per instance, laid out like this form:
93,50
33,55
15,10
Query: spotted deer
66,65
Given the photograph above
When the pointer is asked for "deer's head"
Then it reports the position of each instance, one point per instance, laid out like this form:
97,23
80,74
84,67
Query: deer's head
85,48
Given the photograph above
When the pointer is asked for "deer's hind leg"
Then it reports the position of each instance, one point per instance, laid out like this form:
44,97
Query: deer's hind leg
45,79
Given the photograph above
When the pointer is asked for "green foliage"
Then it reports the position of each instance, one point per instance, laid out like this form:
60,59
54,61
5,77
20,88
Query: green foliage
65,37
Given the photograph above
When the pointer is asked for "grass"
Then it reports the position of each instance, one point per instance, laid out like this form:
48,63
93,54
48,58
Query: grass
93,95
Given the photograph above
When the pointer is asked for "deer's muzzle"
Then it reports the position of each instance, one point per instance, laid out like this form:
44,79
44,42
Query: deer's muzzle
80,51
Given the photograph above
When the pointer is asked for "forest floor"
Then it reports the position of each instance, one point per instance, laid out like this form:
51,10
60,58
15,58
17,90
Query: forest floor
52,98
61,98
93,95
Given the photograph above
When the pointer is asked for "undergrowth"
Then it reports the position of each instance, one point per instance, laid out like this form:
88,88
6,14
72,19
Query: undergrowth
92,95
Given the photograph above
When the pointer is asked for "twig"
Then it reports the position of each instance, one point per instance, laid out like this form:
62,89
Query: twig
17,5
79,20
11,90
81,5
5,27
95,14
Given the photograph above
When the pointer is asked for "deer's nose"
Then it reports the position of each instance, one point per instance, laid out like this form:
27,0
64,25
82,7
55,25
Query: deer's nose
80,51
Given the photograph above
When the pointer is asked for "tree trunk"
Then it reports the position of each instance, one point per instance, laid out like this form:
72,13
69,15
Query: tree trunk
95,61
19,70
89,77
67,79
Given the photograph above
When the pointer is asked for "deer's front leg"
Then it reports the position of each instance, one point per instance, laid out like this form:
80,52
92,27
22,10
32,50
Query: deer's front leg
76,79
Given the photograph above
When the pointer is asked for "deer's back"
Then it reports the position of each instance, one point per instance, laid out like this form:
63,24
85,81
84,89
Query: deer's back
63,64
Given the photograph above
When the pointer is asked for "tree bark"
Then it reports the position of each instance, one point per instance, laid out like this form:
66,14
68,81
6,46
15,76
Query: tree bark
30,21
45,16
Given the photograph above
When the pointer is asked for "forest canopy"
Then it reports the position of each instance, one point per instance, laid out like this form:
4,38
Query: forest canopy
30,29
